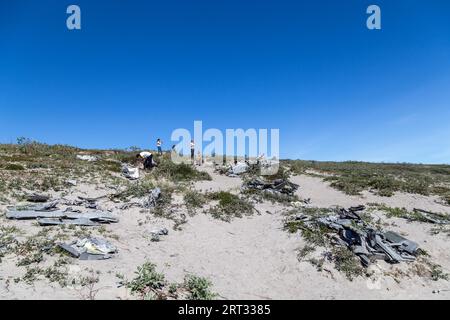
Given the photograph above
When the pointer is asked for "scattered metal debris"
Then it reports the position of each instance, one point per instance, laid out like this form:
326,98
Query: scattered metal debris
89,249
148,202
72,183
299,204
362,239
157,233
58,221
433,217
91,199
279,186
57,217
441,290
234,170
151,200
130,172
239,168
86,158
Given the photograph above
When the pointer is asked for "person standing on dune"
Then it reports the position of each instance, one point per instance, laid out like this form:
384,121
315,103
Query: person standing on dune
158,145
192,151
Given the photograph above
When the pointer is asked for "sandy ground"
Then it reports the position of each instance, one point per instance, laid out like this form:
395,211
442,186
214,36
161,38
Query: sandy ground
249,258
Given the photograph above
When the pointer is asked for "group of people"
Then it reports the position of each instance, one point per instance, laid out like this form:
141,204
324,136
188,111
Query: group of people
149,162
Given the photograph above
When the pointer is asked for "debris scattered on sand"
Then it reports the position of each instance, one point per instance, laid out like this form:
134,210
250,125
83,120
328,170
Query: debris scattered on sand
235,170
89,249
50,216
86,158
153,197
277,186
71,183
433,217
239,168
157,233
148,202
129,172
365,241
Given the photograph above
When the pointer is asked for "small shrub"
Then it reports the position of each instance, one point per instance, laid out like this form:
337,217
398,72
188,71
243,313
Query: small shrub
437,273
346,262
194,199
229,206
147,280
178,172
14,167
199,288
109,165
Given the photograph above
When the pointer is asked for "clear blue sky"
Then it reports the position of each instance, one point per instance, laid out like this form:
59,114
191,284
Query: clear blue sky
139,69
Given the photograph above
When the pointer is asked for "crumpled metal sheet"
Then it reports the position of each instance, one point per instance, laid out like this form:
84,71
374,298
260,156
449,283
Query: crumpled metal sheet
433,217
280,185
89,249
62,217
362,239
239,168
57,221
152,199
86,158
130,172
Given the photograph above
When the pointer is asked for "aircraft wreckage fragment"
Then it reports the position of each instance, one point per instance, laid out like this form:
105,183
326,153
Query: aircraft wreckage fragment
366,242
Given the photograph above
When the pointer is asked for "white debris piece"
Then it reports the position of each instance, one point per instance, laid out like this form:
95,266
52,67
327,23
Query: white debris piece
86,157
72,183
95,246
130,172
239,168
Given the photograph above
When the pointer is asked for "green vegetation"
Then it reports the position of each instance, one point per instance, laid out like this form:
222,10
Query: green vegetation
381,178
346,262
30,165
273,197
13,167
150,285
405,214
229,206
135,189
57,273
199,288
316,236
194,200
147,281
177,172
437,273
7,240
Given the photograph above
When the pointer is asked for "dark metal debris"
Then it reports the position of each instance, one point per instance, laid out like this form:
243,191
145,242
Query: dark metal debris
433,217
363,240
89,249
280,186
37,198
63,217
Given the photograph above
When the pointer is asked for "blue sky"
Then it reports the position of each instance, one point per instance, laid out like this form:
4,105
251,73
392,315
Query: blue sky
139,69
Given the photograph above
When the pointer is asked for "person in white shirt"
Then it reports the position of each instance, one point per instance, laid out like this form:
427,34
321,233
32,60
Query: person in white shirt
158,145
147,157
144,154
